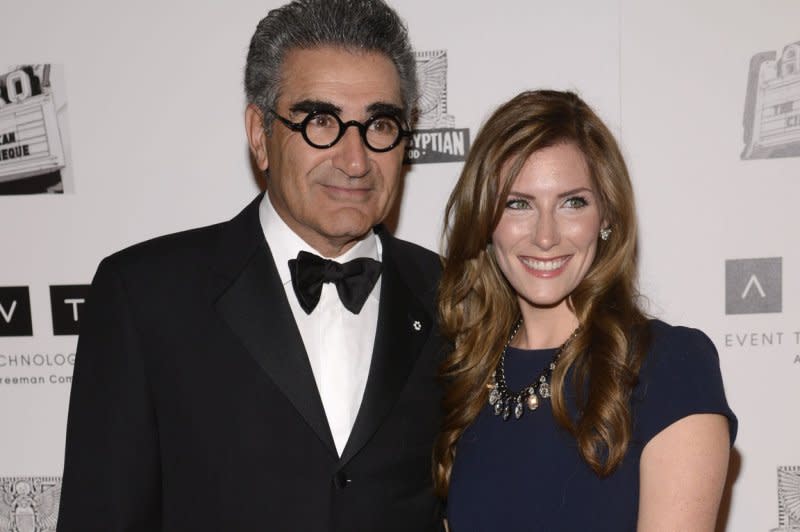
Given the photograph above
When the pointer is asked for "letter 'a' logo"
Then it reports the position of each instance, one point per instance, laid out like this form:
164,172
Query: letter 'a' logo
15,311
753,286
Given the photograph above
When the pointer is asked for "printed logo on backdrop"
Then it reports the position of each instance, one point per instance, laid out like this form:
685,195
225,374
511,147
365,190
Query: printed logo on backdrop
15,311
66,305
29,504
772,105
753,286
32,130
435,138
788,499
31,366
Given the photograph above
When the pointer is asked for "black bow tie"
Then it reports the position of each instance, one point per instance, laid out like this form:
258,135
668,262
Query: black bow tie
354,280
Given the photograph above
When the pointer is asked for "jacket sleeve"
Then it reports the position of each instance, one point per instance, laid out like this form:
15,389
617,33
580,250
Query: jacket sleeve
112,472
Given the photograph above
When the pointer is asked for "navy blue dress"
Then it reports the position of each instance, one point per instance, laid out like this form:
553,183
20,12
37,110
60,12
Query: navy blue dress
527,474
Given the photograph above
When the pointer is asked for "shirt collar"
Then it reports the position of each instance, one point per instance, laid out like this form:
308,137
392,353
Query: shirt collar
285,244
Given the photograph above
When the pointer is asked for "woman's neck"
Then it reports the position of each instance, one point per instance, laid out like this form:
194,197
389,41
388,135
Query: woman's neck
544,328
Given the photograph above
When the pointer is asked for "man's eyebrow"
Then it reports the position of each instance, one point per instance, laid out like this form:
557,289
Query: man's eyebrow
384,108
310,106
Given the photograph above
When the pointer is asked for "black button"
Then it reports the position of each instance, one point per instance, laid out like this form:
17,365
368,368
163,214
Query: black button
341,480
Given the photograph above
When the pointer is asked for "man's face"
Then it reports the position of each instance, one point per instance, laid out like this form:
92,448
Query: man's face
330,197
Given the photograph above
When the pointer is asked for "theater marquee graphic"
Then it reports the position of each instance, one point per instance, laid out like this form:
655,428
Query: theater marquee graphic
772,105
29,504
435,138
33,157
788,499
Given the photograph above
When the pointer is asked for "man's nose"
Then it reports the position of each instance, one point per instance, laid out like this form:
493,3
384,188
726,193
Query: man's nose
351,153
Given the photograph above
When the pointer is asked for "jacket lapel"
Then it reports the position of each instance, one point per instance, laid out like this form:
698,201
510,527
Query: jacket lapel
252,301
404,325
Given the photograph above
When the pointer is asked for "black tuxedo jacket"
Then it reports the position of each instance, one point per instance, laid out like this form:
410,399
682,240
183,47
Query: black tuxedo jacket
194,407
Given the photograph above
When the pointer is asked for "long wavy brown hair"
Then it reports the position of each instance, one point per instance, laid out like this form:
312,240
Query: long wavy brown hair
478,307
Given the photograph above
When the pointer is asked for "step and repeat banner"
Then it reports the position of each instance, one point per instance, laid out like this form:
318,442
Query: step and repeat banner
119,123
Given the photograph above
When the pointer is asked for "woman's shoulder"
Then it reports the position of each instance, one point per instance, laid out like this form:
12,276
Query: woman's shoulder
680,375
676,352
665,336
678,345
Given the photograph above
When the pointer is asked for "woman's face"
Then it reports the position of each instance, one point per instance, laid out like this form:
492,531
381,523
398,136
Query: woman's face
546,239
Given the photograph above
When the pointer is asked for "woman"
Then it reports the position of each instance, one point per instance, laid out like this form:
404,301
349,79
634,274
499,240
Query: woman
565,407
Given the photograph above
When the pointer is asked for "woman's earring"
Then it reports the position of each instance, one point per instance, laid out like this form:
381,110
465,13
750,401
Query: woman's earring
605,233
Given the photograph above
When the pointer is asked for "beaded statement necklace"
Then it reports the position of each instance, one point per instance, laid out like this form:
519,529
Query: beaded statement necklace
504,401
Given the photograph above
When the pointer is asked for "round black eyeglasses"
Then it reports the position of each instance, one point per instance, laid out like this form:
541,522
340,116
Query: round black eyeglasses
323,129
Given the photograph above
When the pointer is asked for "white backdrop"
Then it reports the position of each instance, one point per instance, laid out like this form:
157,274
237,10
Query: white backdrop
153,93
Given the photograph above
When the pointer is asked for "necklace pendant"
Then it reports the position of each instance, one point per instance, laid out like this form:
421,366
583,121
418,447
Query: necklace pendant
504,402
494,396
532,401
518,410
498,408
544,390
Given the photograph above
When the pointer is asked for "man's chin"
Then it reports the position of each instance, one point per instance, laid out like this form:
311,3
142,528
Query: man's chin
351,233
345,224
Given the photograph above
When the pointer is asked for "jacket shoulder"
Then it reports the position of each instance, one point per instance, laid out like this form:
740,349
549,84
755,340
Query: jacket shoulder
220,243
419,266
421,257
193,245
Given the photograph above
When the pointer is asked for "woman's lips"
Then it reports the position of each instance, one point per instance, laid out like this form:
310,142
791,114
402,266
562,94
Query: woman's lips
545,267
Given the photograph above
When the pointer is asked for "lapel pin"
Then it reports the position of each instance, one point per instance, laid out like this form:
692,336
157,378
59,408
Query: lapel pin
417,325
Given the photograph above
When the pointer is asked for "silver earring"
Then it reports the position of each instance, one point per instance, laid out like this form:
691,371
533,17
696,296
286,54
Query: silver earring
605,233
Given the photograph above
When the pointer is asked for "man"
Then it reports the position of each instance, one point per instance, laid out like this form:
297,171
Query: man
228,380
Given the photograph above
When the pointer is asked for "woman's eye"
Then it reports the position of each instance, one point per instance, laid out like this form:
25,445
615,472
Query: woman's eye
576,202
517,203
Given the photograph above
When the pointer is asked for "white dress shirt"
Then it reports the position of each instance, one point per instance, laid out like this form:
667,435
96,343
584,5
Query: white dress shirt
338,343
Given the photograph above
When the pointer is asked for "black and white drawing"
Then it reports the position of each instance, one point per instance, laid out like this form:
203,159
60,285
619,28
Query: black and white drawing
435,139
788,499
29,504
772,105
432,103
33,142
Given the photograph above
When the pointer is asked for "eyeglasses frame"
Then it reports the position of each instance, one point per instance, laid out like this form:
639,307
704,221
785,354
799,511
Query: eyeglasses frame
362,127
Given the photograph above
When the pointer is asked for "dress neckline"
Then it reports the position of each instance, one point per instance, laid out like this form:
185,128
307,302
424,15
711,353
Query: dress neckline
518,351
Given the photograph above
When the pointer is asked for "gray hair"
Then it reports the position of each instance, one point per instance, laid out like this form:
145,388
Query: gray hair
367,25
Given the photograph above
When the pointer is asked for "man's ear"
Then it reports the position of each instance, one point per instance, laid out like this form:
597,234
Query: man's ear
256,136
